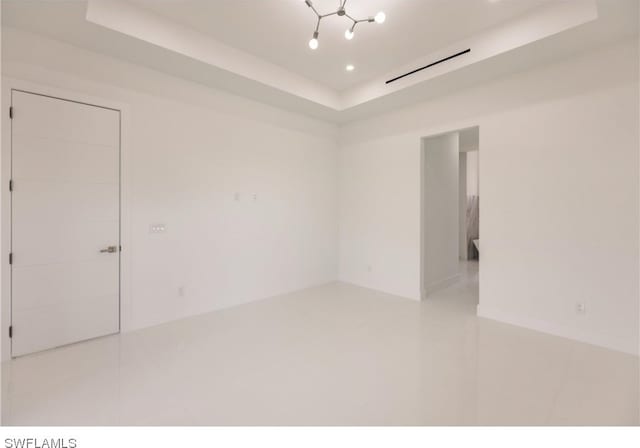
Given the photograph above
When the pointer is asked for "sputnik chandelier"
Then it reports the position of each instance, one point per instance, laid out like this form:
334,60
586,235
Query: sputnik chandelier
340,12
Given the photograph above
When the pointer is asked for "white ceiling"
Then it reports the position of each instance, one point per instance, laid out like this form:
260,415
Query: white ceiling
258,48
278,31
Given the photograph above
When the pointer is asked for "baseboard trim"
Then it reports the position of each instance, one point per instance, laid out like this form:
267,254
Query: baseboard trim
442,284
574,334
400,295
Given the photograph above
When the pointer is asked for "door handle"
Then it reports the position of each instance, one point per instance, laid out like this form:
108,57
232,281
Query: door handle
109,250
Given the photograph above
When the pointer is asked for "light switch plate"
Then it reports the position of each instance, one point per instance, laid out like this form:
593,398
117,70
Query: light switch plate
157,228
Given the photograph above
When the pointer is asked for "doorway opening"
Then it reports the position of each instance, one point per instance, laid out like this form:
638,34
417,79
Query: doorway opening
450,203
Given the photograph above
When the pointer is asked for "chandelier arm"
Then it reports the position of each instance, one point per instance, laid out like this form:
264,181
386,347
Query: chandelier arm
313,8
328,15
355,22
339,12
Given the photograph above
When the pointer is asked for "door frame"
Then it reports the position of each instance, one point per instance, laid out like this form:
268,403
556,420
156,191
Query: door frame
8,86
424,290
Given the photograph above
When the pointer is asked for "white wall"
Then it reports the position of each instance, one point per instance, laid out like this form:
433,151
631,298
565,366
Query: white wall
3,316
559,182
376,250
472,173
441,210
191,149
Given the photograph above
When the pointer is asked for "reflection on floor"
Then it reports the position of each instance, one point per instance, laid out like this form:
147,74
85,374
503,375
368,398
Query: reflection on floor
334,355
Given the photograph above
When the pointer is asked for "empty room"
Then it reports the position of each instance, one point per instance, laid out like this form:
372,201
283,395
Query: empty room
327,213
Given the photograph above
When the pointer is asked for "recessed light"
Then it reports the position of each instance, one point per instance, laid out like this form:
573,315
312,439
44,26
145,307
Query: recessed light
350,68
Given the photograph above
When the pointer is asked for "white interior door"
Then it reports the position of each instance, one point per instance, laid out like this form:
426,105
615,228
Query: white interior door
65,222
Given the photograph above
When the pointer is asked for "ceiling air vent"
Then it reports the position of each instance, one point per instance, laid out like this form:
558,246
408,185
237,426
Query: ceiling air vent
448,58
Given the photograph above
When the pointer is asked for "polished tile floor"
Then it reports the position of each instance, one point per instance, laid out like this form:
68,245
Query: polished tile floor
334,355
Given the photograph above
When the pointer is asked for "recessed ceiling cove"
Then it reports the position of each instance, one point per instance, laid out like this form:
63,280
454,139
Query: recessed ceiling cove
260,49
168,31
278,31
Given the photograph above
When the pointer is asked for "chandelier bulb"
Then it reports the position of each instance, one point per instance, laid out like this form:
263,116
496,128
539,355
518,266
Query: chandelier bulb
341,12
313,43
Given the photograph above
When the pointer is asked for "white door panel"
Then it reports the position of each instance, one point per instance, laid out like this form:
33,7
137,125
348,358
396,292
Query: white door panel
65,210
50,159
55,119
65,323
77,201
65,282
86,221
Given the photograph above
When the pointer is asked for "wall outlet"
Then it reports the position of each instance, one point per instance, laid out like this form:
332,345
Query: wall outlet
157,228
181,291
581,309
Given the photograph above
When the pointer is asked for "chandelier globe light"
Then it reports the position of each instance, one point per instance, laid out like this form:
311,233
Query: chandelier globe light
340,12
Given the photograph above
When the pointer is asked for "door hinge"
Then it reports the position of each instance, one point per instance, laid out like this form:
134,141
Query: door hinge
11,331
11,185
11,112
11,258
